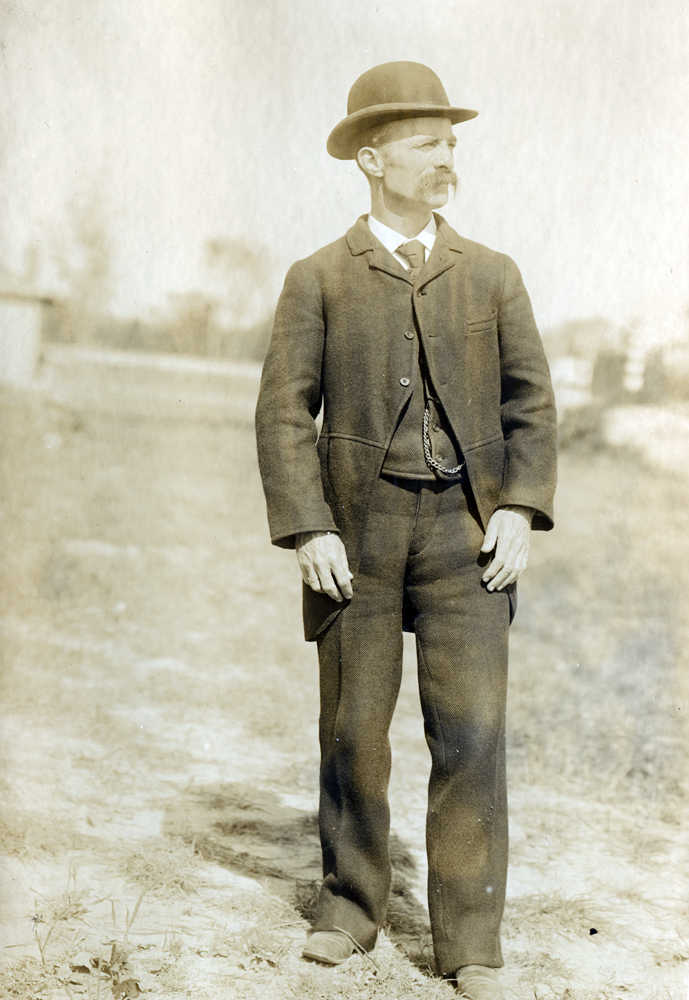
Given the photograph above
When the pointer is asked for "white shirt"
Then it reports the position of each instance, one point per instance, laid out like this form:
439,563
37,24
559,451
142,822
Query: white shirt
391,239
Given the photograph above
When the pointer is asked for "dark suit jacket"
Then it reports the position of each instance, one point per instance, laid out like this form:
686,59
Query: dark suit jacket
339,340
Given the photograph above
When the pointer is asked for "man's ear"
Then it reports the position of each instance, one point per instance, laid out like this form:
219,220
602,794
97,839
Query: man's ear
370,161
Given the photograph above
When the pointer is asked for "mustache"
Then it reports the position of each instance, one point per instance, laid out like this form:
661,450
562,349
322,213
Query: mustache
434,182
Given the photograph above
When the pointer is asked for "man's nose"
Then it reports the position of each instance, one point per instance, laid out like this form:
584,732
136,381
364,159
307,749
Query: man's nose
445,155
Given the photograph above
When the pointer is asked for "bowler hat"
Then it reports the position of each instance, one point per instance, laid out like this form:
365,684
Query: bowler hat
389,93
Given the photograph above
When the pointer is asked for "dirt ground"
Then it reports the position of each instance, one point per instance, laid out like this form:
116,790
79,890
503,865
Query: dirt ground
159,720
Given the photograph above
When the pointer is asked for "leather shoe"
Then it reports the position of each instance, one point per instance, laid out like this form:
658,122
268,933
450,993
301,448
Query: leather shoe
476,982
330,947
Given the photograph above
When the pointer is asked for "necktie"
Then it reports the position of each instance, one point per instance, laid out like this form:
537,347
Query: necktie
415,252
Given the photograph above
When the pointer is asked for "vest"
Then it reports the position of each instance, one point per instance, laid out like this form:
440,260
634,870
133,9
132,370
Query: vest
405,457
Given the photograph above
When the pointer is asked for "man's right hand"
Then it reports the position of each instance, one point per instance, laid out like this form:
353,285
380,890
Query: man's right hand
323,563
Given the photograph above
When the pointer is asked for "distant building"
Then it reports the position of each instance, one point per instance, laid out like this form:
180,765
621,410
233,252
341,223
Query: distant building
594,362
21,326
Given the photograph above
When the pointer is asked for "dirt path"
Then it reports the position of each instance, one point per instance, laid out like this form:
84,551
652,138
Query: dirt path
160,714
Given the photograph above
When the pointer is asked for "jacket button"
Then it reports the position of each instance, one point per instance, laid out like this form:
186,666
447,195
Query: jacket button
408,334
404,381
436,428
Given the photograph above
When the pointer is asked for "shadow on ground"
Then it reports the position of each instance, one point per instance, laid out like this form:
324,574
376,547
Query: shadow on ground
250,832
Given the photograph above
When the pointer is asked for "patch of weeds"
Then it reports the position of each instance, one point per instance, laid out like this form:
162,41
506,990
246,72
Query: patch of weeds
219,944
242,862
79,976
263,939
23,834
645,852
120,953
606,991
382,975
164,866
305,898
118,975
549,913
313,983
419,951
669,952
543,965
174,945
14,836
66,968
269,830
174,976
27,980
241,826
262,944
265,908
52,916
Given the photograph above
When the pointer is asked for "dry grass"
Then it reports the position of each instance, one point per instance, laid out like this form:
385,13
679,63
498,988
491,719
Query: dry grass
598,649
284,834
542,915
242,862
31,834
163,866
383,976
27,979
151,618
605,992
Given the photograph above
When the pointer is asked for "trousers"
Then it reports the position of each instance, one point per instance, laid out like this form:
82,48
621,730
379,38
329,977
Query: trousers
421,569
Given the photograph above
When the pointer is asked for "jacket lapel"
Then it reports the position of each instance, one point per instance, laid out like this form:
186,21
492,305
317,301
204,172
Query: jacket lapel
361,240
445,252
443,256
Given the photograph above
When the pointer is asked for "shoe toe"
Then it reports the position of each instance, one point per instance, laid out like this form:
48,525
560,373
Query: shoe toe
476,982
330,947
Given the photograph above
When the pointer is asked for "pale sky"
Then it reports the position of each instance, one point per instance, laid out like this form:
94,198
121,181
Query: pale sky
164,123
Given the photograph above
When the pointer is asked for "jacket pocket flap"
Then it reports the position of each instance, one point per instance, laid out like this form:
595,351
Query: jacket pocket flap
488,324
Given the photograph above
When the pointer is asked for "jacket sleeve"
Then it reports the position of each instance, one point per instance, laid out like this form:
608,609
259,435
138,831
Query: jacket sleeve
288,403
527,405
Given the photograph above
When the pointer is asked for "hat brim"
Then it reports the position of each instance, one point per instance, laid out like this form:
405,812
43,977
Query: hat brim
342,141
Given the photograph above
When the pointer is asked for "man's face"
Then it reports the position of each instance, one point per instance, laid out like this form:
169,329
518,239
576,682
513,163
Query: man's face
418,163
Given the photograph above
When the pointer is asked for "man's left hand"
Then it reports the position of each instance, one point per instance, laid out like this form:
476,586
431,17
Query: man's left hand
508,533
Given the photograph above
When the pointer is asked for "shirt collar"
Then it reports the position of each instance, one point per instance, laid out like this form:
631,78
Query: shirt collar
392,239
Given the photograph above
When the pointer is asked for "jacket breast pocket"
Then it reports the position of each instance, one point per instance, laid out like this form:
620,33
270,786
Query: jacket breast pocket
474,327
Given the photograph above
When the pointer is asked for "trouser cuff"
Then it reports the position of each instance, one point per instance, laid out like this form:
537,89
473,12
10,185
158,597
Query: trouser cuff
337,912
470,947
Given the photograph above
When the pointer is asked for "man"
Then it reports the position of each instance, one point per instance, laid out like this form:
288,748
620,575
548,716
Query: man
437,450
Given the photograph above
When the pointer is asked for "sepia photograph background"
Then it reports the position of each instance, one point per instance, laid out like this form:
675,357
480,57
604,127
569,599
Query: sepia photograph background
162,163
